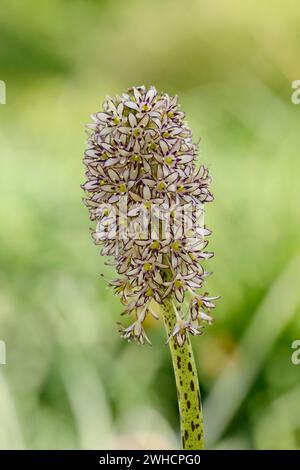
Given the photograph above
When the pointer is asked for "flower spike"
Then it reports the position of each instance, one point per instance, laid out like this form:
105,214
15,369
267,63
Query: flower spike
147,196
140,165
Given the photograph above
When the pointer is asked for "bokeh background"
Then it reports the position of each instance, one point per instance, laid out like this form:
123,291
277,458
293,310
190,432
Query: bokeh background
69,381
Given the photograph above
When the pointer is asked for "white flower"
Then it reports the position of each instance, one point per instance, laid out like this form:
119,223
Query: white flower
181,329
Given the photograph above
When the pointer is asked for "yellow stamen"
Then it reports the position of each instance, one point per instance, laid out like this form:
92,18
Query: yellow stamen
147,267
155,245
169,160
152,146
122,188
137,132
178,283
136,158
161,186
175,246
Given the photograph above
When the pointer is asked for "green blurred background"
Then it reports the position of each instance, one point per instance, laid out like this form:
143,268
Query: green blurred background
69,381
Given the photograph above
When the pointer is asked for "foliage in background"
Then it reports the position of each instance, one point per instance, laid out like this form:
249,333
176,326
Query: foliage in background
232,66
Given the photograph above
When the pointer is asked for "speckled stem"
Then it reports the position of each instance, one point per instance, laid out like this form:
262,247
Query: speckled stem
188,392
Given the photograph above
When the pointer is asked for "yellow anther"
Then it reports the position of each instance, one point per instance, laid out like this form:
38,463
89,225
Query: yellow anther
169,160
136,158
155,245
122,188
137,132
175,246
161,186
152,146
147,267
178,283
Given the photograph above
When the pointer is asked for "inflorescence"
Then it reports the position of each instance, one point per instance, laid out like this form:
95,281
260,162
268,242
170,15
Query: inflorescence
146,195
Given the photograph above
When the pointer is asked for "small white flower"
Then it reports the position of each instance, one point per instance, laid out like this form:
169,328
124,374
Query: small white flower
181,329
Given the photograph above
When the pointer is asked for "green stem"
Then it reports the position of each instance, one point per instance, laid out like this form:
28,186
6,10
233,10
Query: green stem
188,392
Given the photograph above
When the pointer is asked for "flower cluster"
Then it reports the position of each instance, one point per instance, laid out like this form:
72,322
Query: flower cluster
141,165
